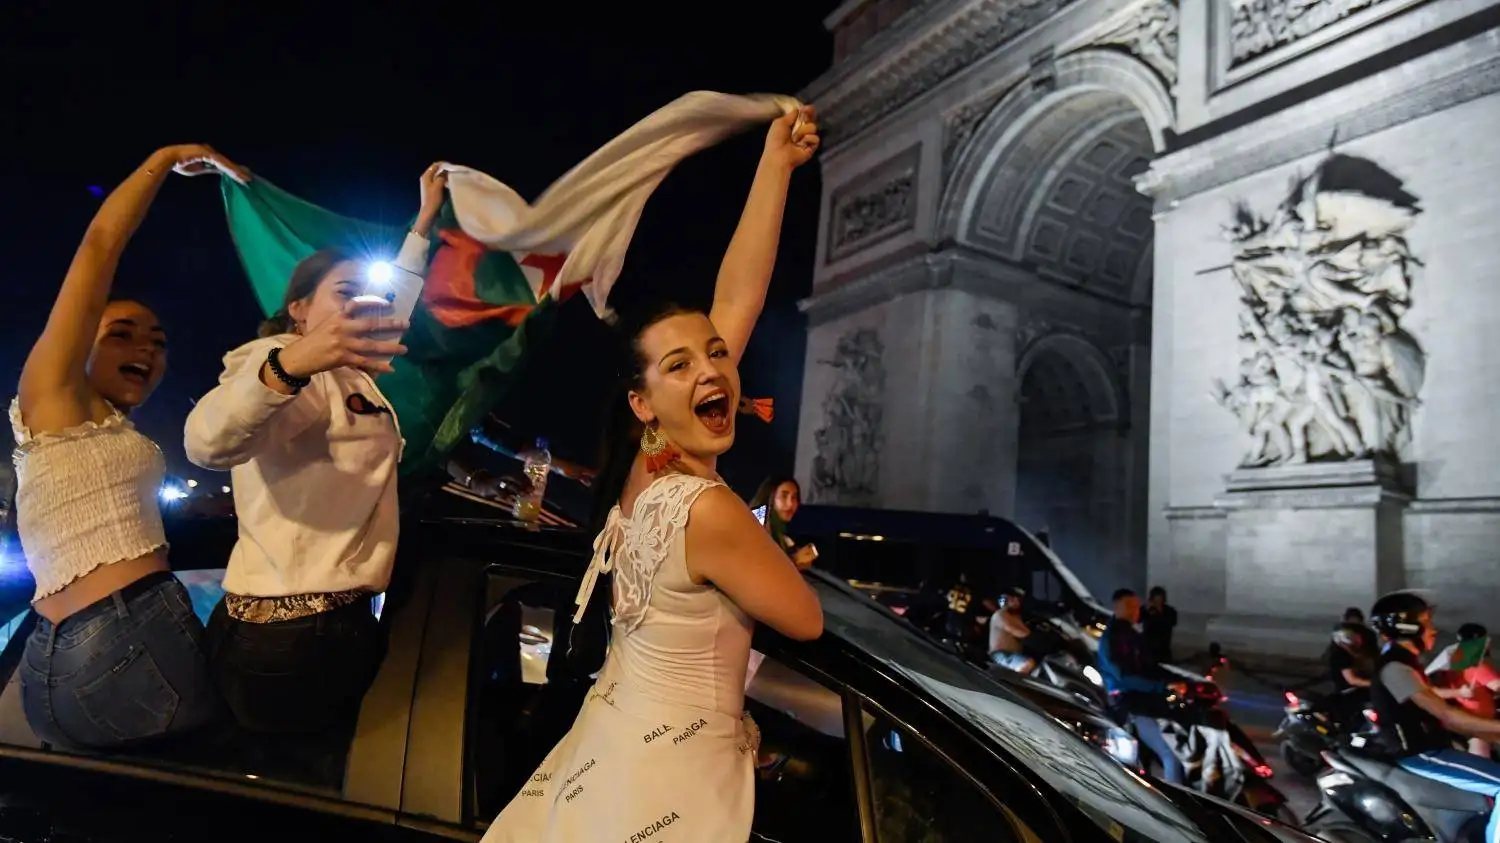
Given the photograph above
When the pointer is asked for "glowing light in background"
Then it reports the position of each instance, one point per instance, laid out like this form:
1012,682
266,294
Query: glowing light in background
171,493
96,191
192,484
225,490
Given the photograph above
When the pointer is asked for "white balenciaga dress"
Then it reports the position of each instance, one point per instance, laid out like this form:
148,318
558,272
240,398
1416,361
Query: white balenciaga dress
661,749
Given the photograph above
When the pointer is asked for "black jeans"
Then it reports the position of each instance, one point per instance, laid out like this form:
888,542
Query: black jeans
298,676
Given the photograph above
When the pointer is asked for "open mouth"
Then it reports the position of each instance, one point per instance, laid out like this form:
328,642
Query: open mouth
136,373
714,412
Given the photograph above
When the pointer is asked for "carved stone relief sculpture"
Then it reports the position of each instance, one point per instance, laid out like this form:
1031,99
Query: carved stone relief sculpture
846,464
1326,370
1259,26
879,204
961,124
1149,30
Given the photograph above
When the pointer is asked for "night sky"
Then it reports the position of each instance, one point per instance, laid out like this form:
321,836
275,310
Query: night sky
345,108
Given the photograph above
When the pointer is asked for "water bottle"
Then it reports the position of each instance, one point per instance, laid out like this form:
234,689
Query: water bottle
538,464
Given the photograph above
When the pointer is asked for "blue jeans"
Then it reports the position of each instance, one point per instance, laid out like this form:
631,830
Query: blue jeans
1148,732
1464,771
123,670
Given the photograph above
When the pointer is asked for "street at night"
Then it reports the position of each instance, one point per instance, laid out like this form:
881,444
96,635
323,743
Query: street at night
893,421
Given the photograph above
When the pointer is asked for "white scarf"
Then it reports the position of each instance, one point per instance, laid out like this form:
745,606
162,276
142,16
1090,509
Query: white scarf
591,212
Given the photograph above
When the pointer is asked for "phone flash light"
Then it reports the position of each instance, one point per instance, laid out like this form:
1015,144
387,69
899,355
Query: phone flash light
380,272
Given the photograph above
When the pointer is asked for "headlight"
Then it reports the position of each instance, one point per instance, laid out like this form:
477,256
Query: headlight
1093,675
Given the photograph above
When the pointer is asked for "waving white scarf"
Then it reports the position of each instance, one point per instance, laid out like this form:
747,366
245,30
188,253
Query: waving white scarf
591,212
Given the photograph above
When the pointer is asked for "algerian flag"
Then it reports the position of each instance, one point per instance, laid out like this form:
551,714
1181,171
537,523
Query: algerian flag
498,265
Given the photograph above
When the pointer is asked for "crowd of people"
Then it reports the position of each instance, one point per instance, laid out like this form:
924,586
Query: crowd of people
118,658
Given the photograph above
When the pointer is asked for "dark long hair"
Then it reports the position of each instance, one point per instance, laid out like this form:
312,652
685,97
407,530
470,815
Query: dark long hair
764,497
622,430
304,282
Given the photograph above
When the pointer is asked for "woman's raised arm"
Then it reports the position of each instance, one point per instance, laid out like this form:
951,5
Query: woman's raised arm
745,274
52,390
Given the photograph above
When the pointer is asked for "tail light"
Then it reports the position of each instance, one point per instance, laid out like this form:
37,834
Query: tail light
1264,771
1371,716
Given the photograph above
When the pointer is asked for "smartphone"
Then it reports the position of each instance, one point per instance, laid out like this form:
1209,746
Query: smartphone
389,291
760,514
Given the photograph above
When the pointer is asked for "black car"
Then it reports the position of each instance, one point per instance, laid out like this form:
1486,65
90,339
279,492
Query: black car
871,733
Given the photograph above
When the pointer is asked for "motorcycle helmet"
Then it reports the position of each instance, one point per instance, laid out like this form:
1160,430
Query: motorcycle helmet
1472,632
1398,615
1010,598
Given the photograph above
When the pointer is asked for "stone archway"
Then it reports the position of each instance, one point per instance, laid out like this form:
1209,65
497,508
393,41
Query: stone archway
1069,469
1047,185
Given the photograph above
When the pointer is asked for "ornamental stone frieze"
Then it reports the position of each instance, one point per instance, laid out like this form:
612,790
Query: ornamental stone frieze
877,205
1257,27
946,48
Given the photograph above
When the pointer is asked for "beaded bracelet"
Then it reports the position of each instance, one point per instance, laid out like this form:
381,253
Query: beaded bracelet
273,359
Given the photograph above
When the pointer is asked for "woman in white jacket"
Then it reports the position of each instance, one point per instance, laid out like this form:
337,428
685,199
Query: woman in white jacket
312,447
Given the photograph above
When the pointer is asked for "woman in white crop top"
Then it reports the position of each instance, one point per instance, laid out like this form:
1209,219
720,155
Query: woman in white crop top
312,447
661,743
115,657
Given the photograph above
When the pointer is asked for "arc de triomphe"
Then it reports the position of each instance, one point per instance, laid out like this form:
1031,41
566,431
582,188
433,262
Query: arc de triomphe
1206,291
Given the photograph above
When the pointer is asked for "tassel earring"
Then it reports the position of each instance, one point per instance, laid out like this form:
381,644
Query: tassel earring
659,452
761,408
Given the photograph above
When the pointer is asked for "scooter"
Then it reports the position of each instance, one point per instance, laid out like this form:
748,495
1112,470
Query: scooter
1200,704
1369,799
1064,662
1313,724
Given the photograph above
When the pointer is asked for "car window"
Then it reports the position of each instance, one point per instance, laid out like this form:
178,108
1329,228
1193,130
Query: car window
802,772
920,798
524,695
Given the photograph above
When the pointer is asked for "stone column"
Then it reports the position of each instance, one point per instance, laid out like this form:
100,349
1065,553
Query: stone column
910,403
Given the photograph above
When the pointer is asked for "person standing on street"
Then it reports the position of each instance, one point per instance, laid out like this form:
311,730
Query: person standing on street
1157,622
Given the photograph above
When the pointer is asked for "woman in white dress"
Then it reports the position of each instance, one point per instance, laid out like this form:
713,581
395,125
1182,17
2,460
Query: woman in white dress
661,748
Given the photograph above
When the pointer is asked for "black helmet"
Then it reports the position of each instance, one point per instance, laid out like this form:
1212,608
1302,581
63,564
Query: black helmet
1398,615
1472,631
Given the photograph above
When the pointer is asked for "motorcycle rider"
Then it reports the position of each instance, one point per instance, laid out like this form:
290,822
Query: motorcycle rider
1351,664
1462,674
1137,685
1415,723
1007,628
959,598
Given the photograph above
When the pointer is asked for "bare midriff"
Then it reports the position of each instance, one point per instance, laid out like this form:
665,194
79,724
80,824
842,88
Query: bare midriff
99,584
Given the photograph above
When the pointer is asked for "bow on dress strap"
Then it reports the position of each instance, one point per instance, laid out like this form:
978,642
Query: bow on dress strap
605,546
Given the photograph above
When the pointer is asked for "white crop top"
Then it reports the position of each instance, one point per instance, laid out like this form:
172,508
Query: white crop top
86,497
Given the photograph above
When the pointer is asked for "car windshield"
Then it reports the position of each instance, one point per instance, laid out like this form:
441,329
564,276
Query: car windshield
1118,801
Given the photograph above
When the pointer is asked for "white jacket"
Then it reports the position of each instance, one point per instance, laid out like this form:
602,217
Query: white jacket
314,481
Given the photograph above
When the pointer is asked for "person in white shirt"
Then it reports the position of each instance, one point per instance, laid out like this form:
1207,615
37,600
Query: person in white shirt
312,447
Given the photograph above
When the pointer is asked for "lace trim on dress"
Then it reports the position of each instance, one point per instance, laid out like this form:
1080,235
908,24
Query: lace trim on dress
25,441
661,512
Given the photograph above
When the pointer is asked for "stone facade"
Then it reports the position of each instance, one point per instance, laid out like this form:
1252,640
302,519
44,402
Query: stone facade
1117,268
